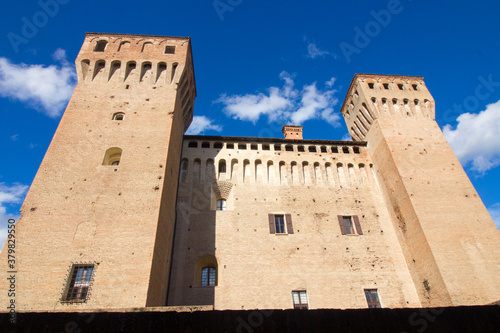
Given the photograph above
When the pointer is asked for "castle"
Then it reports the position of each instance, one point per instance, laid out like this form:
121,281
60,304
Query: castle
126,211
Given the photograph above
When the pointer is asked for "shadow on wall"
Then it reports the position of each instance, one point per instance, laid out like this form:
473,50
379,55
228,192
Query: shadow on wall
194,267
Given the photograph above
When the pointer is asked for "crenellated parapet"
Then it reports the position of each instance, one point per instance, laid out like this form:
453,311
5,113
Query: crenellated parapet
372,96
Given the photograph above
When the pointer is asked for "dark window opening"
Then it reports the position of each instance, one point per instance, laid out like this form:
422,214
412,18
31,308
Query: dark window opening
266,147
242,146
169,49
279,224
356,150
205,145
400,86
100,46
386,85
289,148
323,149
277,147
230,146
300,148
193,144
253,147
312,149
335,150
345,150
415,87
371,85
218,145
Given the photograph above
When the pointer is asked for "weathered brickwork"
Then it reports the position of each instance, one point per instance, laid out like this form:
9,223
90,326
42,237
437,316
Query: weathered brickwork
241,223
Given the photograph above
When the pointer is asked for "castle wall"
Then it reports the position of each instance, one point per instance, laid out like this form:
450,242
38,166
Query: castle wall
257,269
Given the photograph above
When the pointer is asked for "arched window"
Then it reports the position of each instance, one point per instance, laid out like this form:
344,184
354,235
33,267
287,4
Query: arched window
100,46
221,204
118,116
206,271
208,276
112,156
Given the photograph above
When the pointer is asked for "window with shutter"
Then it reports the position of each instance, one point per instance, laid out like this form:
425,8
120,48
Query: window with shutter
349,225
280,224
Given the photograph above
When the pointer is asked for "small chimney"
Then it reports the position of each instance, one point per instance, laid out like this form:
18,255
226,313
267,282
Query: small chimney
292,132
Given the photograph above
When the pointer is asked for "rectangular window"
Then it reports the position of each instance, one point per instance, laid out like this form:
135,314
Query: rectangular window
372,298
349,225
81,278
280,224
349,228
299,298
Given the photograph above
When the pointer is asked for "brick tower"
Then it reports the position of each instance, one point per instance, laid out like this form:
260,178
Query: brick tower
96,227
448,239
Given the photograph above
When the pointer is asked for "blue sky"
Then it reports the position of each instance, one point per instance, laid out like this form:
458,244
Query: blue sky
259,64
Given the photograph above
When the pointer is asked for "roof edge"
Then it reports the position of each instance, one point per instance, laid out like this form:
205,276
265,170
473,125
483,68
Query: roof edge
134,35
273,140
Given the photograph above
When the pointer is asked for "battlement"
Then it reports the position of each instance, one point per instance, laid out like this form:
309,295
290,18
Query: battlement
372,96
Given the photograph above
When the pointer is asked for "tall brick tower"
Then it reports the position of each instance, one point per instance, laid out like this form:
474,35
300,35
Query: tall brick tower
96,228
449,241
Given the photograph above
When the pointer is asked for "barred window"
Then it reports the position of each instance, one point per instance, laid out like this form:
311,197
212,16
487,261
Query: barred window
81,278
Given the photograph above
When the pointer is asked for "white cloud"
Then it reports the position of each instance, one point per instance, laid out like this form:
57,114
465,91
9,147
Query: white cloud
476,139
286,104
314,51
495,214
13,194
201,124
46,89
